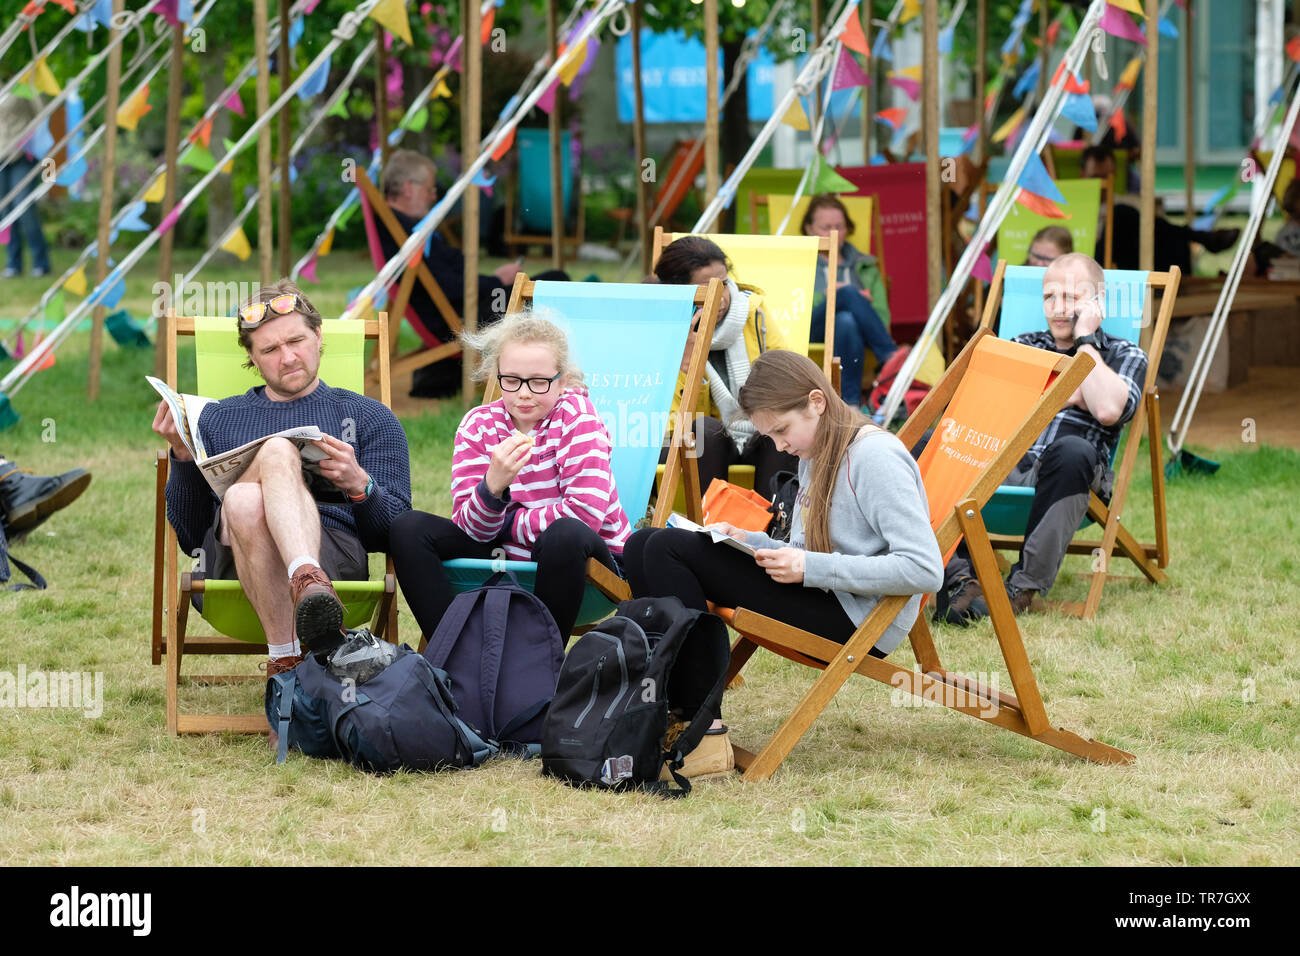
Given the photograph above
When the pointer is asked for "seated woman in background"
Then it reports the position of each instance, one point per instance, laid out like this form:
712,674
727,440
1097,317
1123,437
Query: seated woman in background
530,476
861,302
723,436
860,529
1048,245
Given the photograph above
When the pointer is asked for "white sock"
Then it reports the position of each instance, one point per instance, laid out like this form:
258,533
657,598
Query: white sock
299,562
292,649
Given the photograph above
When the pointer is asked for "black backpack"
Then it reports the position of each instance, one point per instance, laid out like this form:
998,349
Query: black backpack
502,653
607,721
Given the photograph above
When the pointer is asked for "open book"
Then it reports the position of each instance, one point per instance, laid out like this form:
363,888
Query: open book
676,520
222,471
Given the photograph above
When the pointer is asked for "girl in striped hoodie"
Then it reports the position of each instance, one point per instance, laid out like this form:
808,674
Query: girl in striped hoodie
530,480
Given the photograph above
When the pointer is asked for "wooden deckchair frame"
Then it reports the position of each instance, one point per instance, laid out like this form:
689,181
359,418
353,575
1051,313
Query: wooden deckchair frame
1151,557
169,621
679,466
1021,712
424,355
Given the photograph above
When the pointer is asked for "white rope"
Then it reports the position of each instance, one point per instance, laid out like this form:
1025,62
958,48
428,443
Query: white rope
1182,419
1033,140
36,57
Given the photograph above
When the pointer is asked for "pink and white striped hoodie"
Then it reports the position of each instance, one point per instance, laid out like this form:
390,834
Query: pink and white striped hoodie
567,476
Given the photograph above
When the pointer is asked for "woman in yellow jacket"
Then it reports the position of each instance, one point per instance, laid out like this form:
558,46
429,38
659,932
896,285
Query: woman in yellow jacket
723,436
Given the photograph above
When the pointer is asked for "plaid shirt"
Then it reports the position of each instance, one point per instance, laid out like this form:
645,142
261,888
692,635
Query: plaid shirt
1122,357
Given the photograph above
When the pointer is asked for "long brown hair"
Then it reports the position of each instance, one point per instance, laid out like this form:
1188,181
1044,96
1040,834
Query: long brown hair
781,381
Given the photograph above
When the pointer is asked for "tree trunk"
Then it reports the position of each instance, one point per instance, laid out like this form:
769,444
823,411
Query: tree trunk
734,131
220,198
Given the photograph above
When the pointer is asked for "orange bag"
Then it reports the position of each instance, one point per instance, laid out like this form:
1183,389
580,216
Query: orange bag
739,507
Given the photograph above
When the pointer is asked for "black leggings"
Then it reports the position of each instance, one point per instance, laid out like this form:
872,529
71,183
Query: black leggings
420,542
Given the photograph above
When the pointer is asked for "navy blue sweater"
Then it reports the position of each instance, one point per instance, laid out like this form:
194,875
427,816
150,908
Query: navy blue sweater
373,431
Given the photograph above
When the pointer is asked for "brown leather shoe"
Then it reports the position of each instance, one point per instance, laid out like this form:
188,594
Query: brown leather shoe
278,665
1021,598
317,610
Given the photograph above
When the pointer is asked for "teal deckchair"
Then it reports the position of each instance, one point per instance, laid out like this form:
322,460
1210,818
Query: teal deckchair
531,193
628,341
219,360
1130,306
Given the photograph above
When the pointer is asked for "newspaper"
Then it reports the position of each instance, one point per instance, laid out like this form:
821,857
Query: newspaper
223,470
676,520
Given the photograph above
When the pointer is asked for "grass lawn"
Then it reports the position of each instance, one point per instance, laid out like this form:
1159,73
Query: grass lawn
1199,679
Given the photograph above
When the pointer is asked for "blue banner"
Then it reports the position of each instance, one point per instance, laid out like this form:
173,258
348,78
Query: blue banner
672,79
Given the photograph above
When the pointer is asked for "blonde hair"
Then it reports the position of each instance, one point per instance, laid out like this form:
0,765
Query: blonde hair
781,381
531,326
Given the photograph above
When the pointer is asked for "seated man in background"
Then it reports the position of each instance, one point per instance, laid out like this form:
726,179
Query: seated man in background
410,191
1072,456
269,531
1172,243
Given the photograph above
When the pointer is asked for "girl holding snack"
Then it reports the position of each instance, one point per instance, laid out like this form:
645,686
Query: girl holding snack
530,480
741,333
860,529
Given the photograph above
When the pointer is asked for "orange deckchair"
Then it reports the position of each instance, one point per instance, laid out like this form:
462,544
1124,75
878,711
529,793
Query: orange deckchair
988,408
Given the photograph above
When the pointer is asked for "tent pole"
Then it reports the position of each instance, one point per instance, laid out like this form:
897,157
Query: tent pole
639,145
930,121
1189,113
107,180
471,130
711,167
264,246
286,243
169,197
556,139
1044,21
866,110
981,76
1150,101
381,96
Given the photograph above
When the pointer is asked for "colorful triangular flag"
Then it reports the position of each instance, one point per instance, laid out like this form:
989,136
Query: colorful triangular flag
315,84
571,62
234,103
132,222
1119,124
853,37
1079,110
339,109
157,190
546,102
1010,126
40,77
911,10
197,157
326,244
441,90
795,116
391,15
1132,6
504,146
1035,178
237,244
1128,79
308,271
1117,23
1293,48
417,120
893,117
907,85
202,133
76,283
129,113
828,180
1040,205
848,75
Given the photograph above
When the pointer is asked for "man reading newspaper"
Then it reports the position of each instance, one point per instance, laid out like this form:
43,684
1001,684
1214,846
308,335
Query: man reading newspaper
267,529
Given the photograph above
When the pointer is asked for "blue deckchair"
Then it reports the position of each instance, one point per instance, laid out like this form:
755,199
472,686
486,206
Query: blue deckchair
531,192
628,341
1130,304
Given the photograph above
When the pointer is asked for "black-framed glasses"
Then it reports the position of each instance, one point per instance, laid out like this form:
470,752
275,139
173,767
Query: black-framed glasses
538,386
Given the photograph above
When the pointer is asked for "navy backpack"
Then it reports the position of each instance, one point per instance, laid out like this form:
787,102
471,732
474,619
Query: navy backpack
502,653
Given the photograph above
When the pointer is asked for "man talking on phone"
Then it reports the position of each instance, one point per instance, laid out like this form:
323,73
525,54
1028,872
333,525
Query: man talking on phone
284,537
1072,456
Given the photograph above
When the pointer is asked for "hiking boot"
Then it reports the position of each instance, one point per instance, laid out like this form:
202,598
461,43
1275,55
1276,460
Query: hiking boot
278,665
961,604
27,500
714,757
1021,598
317,610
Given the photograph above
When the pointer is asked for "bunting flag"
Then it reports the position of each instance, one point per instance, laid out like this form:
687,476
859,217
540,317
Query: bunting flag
76,283
4,236
197,157
202,134
394,82
129,113
326,244
48,361
1040,205
572,62
315,84
157,190
945,39
908,86
346,216
1072,82
1118,124
40,77
234,103
417,120
546,102
911,10
1027,80
1079,110
795,116
1035,179
1128,79
237,244
229,166
983,268
339,109
848,75
132,222
1132,6
893,117
54,310
485,28
452,56
391,15
504,146
114,293
1293,48
881,50
308,271
1117,23
1053,31
296,29
853,37
22,91
1166,27
41,142
1010,126
828,180
483,181
442,90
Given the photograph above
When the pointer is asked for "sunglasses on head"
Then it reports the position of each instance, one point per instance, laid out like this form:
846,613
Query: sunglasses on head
253,314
